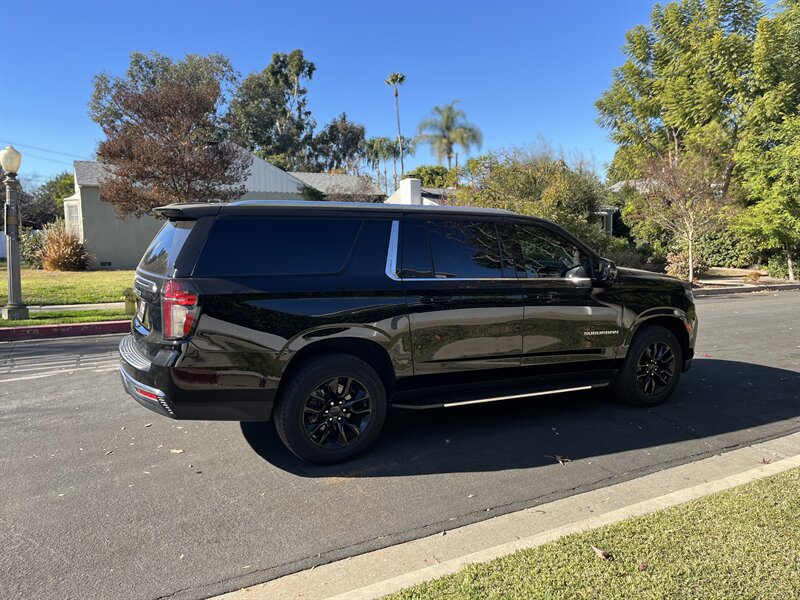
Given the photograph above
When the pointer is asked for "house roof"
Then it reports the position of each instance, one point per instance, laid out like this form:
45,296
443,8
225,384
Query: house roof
329,183
263,178
640,185
88,172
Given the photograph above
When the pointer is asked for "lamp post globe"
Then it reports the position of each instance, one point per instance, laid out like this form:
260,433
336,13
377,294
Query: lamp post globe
10,161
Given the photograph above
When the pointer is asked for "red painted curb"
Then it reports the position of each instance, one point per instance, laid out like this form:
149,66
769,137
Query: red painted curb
38,332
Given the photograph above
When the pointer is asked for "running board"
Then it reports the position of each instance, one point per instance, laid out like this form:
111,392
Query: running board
582,388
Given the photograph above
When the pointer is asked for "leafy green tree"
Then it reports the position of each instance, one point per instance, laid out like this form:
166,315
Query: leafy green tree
340,145
163,127
57,188
433,176
773,180
447,128
46,203
269,114
687,83
395,80
540,185
768,158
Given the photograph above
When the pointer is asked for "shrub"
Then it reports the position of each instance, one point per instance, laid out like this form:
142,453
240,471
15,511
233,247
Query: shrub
62,250
678,264
624,254
753,277
727,249
31,242
778,267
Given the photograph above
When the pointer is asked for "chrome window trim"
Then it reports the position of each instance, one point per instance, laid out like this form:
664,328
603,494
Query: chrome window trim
391,256
391,267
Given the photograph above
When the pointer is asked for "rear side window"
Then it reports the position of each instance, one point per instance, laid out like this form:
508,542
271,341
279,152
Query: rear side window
465,249
160,257
255,246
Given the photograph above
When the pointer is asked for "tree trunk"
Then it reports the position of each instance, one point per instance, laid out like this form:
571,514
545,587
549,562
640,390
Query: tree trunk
394,171
449,161
385,179
790,262
399,135
691,260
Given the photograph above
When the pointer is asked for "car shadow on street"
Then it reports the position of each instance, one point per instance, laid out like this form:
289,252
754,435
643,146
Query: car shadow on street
716,398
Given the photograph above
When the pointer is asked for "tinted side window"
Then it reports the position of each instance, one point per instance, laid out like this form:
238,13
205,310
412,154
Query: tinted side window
544,253
465,249
160,257
277,246
416,250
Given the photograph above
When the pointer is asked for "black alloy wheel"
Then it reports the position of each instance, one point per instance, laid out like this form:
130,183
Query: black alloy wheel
655,368
337,413
652,369
330,408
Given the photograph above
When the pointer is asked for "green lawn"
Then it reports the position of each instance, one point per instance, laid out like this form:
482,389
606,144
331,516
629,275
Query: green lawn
743,543
68,316
59,287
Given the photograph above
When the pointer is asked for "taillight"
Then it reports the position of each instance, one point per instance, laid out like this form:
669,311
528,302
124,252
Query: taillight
179,309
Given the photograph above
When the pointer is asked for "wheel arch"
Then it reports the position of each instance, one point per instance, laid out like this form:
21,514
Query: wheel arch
372,353
673,323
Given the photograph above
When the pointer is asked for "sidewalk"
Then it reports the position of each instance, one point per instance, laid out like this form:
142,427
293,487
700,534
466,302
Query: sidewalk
392,569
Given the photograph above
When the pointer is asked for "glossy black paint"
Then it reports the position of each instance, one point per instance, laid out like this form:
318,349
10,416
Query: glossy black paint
419,335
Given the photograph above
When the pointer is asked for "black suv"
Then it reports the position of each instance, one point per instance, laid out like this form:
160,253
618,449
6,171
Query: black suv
322,315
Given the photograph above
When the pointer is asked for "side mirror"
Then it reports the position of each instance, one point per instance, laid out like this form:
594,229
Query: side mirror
606,272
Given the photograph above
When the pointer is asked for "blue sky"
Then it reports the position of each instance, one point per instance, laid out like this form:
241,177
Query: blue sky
522,71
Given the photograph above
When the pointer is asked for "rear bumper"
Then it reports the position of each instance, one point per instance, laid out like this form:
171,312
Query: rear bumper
147,396
186,393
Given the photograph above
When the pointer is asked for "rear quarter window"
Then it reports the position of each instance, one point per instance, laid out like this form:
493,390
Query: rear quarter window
160,257
264,246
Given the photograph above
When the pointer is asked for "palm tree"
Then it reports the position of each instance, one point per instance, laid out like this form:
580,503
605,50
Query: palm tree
395,80
378,151
446,128
387,149
373,157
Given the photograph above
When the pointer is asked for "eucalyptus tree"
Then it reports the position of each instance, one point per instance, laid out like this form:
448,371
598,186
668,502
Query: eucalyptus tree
446,128
396,80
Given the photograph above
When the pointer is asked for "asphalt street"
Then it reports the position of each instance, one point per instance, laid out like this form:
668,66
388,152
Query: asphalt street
100,498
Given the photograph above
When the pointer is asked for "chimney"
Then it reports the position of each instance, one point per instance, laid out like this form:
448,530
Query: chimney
409,192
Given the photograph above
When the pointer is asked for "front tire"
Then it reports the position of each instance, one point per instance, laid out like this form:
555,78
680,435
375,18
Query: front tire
331,409
652,368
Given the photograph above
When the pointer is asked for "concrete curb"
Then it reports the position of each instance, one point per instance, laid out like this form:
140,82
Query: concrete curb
388,570
745,289
39,332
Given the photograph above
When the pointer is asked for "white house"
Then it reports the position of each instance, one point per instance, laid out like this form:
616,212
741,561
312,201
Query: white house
118,243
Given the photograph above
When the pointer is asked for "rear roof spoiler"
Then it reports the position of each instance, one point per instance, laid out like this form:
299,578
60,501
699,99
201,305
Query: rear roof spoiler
189,211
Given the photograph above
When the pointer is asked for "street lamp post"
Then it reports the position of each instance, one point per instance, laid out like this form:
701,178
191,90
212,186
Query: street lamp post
10,160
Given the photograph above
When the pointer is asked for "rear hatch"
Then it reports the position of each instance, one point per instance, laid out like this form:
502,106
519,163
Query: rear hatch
158,277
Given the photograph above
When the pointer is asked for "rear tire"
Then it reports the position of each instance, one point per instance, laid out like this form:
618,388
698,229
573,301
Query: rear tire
652,368
331,409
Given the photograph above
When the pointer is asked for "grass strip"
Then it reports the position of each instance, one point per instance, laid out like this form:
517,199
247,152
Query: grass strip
68,316
741,543
69,287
